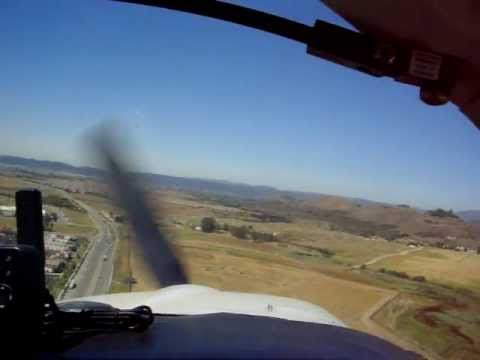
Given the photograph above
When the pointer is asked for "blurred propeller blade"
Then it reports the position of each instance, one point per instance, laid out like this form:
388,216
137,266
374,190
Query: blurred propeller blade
158,253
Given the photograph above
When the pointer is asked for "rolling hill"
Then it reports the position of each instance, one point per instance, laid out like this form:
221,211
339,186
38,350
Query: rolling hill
48,166
405,221
470,216
152,180
357,216
399,223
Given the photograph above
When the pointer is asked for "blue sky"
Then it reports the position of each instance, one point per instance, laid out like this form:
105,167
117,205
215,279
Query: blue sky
205,98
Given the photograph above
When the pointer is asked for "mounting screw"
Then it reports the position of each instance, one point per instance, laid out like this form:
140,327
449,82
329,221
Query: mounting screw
434,96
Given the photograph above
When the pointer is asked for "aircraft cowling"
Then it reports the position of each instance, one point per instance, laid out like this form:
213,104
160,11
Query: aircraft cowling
197,300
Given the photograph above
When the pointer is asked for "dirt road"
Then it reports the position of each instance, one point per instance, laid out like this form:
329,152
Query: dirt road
383,257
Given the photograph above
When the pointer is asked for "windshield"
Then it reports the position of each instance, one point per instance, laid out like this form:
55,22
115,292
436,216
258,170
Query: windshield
269,171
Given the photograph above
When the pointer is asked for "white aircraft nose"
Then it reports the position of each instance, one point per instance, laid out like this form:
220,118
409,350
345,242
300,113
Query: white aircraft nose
198,299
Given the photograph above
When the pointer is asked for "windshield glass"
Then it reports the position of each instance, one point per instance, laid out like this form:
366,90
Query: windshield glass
270,171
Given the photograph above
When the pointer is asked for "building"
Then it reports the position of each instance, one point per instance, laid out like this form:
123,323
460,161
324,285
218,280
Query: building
56,242
51,265
7,210
11,210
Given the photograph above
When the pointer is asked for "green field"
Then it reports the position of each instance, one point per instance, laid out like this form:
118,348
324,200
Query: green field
100,203
122,269
71,229
78,218
8,222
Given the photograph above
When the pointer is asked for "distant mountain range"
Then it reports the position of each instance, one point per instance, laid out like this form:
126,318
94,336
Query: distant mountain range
470,216
218,187
45,165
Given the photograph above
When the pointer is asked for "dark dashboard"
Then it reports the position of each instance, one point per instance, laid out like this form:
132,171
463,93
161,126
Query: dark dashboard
233,336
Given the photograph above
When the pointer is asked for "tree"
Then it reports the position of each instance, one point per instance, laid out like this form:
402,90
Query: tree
439,244
268,237
119,219
239,232
60,267
48,220
208,224
442,213
261,236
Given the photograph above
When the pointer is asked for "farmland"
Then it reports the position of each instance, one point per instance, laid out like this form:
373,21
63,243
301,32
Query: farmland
456,269
357,262
311,261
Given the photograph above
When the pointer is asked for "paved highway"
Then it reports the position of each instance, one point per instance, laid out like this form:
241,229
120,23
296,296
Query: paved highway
94,276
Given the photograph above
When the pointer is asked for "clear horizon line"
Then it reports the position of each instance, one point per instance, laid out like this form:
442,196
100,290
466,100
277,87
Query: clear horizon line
240,183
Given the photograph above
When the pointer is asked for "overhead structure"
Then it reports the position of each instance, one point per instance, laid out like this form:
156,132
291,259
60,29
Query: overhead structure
428,44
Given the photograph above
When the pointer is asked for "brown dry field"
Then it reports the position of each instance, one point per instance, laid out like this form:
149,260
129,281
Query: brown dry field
9,182
356,297
364,299
439,265
232,265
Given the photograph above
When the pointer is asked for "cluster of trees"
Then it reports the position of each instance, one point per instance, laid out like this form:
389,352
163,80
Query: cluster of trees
452,245
326,252
209,225
244,232
400,274
403,275
442,213
264,217
313,251
49,219
60,267
262,236
120,219
59,201
220,199
99,194
240,232
445,245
